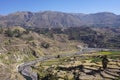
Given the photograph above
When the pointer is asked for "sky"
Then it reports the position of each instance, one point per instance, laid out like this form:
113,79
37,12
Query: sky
69,6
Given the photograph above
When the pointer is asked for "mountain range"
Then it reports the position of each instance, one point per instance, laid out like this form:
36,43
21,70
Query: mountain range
60,19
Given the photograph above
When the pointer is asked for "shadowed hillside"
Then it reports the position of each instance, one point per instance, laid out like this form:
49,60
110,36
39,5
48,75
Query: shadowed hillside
103,37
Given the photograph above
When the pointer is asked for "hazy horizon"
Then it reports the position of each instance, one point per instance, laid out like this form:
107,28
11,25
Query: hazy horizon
59,11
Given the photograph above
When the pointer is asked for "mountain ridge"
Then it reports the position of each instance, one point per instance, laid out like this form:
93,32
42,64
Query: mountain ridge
49,19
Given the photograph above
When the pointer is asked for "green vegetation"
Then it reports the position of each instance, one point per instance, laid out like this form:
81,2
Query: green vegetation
1,30
17,33
109,52
105,52
9,32
13,32
94,60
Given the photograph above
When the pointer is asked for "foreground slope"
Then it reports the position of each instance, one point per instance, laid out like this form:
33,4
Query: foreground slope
18,45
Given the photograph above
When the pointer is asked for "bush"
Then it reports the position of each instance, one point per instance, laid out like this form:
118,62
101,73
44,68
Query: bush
9,32
13,33
1,30
17,33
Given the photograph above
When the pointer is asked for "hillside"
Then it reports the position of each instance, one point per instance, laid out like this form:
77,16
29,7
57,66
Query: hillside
95,37
28,36
18,45
60,19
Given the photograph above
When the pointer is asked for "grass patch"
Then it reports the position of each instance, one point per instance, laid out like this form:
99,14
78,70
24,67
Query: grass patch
115,53
105,52
50,63
55,61
110,52
94,60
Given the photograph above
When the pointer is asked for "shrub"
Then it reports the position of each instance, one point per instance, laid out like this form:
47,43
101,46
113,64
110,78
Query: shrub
9,32
1,30
17,33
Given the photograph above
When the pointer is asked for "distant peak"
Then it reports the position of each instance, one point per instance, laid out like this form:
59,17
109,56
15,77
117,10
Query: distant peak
25,12
22,13
110,13
49,11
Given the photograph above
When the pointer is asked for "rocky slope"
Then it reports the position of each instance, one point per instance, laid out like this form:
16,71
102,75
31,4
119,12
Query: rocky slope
17,45
60,19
